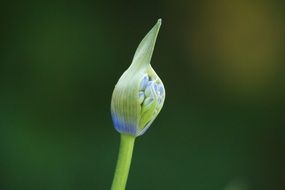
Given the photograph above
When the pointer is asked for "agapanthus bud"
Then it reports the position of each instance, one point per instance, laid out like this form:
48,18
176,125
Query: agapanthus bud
139,94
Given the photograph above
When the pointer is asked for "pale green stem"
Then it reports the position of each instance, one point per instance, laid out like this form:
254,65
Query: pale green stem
123,162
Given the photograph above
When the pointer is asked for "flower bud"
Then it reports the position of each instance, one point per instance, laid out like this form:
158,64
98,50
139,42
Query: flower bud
139,94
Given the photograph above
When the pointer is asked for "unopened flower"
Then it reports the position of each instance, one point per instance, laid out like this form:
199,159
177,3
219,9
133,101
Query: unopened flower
139,94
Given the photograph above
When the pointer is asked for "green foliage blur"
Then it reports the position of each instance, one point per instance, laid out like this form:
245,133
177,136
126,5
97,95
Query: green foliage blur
223,66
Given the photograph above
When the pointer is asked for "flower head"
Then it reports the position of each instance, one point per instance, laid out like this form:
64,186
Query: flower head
139,94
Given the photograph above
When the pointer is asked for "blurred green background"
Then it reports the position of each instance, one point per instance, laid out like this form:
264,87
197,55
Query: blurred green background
223,66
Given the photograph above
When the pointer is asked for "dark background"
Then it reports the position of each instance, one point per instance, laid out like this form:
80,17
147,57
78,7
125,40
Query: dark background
222,125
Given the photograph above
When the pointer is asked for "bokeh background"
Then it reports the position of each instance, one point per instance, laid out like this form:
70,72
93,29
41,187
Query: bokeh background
223,66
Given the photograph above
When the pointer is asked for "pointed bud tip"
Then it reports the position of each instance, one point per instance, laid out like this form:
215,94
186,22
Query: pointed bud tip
159,21
158,24
145,49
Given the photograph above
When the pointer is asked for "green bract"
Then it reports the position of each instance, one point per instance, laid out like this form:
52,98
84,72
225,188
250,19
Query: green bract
139,94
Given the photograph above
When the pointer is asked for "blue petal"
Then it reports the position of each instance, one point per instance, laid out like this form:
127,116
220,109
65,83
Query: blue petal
141,96
161,89
147,101
144,82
